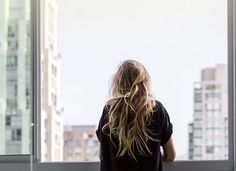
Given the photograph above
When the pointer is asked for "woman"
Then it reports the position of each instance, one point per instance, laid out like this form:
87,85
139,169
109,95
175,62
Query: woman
133,126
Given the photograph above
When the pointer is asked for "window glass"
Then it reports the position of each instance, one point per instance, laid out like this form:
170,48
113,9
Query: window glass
183,45
15,77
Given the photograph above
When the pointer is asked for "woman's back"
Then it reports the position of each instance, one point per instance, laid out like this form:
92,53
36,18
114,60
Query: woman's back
161,129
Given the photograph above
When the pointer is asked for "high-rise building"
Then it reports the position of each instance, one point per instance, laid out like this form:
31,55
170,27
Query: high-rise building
4,8
51,113
208,134
80,143
15,67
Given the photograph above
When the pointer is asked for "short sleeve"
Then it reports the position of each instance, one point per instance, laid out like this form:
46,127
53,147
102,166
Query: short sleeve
101,123
167,127
98,133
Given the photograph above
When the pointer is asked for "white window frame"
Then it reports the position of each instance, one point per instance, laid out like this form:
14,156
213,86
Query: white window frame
23,162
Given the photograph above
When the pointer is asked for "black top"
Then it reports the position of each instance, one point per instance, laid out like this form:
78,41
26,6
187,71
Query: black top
160,124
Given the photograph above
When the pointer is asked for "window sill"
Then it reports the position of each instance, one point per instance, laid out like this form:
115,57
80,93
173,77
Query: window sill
218,165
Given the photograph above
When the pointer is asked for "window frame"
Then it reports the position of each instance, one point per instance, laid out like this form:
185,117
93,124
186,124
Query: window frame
22,158
11,162
202,165
36,118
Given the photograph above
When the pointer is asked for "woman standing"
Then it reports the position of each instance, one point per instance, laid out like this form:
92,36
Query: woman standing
134,126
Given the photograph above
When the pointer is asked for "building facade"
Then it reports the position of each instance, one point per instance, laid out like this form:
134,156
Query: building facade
208,133
51,112
80,143
4,8
15,66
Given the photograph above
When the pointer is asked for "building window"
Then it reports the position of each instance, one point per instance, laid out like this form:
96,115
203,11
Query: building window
210,149
8,121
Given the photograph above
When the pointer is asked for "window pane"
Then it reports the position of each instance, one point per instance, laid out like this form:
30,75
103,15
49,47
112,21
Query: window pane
182,44
15,78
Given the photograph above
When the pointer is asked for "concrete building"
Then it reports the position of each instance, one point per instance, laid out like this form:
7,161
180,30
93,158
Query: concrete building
15,98
208,134
4,8
80,143
51,112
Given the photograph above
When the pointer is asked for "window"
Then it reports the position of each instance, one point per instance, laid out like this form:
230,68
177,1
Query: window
197,97
84,133
210,149
15,77
190,79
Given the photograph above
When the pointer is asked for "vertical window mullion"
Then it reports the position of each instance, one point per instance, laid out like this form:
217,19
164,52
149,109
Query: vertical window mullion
36,134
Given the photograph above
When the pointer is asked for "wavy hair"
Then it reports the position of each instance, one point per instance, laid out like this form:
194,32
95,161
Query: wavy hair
130,109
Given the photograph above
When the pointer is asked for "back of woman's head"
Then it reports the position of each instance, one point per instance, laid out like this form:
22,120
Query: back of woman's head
130,109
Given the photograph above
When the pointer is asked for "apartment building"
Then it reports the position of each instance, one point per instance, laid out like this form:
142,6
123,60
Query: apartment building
208,133
15,66
51,112
80,143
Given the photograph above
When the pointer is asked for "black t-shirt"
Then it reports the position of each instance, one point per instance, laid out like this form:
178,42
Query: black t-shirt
160,125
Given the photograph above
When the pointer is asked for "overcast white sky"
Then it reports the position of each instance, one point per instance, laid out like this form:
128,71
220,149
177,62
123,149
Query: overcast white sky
173,39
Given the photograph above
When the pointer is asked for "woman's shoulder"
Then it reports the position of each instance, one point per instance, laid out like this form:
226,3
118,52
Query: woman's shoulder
160,110
158,105
105,112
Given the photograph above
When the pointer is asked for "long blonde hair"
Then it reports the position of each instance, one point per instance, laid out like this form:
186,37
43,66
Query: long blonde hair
130,109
